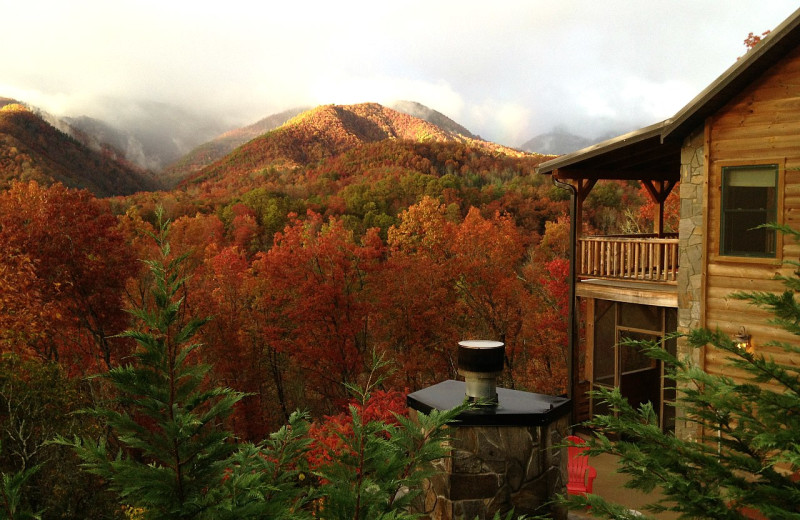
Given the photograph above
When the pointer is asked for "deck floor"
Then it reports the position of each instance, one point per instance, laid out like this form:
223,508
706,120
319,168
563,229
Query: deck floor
647,293
611,485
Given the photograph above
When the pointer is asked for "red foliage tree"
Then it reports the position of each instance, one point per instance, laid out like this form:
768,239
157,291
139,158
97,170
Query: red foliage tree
543,361
326,435
76,268
754,39
24,316
318,279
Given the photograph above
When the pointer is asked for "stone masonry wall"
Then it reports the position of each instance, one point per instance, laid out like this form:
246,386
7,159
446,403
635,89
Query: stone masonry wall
495,468
690,246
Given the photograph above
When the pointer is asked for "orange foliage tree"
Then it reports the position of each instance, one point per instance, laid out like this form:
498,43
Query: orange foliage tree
419,305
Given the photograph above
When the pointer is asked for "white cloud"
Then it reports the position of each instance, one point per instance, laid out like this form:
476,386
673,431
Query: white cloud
504,122
506,70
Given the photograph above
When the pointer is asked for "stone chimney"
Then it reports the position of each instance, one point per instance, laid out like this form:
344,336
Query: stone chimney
503,450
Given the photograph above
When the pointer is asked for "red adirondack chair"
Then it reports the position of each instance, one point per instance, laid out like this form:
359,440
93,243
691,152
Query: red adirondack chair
580,473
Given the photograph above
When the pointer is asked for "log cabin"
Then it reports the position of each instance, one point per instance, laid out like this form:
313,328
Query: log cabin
733,154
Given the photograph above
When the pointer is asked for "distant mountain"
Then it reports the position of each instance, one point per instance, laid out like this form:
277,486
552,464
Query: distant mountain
556,143
327,131
419,110
149,134
33,149
222,145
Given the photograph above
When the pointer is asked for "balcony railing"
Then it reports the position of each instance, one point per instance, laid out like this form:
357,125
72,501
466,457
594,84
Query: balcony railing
646,258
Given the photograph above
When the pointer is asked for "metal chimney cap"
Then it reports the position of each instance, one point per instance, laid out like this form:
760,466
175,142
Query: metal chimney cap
480,343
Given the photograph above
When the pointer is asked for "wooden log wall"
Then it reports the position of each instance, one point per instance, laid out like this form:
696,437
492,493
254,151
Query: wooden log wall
760,126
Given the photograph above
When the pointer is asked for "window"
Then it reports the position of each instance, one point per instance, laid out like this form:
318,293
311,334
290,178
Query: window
749,199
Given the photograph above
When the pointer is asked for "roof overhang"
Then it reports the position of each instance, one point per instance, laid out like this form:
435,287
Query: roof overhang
638,155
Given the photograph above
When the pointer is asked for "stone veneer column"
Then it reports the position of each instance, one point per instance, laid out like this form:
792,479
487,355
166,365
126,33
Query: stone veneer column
502,457
495,468
691,249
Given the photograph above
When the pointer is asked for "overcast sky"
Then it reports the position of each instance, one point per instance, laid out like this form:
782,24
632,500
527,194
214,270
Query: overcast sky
507,70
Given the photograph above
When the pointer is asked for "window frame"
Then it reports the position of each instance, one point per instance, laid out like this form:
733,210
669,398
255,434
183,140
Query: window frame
778,166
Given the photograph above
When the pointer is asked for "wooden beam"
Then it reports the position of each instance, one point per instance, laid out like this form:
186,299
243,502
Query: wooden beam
661,295
659,190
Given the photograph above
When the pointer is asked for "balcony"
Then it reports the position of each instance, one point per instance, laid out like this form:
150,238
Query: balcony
629,258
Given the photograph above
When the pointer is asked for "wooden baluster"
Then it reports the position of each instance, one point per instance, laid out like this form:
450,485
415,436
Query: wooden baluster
604,261
614,258
656,262
628,260
587,268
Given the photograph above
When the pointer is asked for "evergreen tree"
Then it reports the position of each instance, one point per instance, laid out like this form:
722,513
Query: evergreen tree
11,496
379,467
171,449
746,459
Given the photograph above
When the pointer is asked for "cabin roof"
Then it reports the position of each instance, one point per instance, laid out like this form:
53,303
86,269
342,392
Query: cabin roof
653,152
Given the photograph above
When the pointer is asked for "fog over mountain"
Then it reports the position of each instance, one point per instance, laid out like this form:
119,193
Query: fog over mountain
150,134
557,142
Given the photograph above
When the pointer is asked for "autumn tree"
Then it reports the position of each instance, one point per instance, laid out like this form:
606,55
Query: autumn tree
24,316
319,280
240,339
545,274
418,303
754,39
73,262
487,253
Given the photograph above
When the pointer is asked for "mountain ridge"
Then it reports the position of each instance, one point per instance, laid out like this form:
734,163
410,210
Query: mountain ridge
211,151
223,144
31,148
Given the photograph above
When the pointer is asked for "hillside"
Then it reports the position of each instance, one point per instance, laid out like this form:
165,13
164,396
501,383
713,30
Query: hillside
150,134
328,131
32,149
222,145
